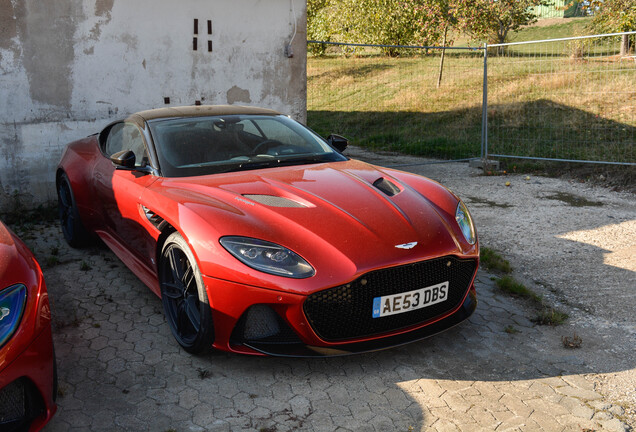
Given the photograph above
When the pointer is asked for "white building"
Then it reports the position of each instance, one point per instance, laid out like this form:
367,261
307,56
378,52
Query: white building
68,68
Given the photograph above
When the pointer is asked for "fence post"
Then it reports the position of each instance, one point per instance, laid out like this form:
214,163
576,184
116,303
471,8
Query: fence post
484,111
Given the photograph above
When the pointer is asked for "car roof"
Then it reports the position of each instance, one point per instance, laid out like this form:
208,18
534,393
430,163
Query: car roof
201,111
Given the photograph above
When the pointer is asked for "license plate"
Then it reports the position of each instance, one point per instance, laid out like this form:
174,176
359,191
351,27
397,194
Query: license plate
410,300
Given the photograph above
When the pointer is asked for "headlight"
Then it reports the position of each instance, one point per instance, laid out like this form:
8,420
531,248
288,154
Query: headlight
465,223
12,301
267,257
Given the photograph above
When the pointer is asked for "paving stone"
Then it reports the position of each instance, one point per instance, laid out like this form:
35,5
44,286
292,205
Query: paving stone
483,417
456,401
431,388
301,406
542,405
444,425
579,393
359,409
517,406
577,408
579,381
321,421
614,425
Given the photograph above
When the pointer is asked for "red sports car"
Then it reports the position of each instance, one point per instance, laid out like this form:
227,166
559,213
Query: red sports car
260,237
28,381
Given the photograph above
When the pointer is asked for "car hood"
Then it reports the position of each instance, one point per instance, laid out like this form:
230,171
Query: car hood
341,216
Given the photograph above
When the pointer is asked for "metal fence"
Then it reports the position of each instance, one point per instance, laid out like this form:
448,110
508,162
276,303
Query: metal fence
568,99
399,103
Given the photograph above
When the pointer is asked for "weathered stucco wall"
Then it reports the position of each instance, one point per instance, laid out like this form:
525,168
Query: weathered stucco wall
69,67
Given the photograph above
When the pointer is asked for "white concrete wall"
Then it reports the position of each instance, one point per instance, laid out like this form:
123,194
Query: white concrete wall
69,67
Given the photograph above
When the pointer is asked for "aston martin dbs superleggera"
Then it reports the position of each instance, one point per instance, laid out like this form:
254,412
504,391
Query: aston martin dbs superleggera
28,381
261,237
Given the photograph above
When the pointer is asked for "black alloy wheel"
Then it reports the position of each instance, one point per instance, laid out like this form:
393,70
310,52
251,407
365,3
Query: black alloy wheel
74,232
185,301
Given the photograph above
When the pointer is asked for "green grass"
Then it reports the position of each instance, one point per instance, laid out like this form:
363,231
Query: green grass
493,261
560,29
510,329
550,316
544,100
510,286
546,315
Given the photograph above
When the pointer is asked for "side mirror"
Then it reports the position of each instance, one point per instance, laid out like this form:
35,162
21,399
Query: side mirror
338,142
124,159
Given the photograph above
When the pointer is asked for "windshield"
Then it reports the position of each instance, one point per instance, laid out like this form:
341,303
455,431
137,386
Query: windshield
195,146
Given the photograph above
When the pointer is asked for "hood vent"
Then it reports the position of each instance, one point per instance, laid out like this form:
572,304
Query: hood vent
274,201
386,186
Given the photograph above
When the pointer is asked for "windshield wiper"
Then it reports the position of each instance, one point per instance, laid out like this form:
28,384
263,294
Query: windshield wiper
274,162
304,160
256,164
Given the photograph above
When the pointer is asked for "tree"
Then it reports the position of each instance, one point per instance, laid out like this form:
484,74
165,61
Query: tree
504,16
615,16
491,19
383,22
416,22
438,17
318,27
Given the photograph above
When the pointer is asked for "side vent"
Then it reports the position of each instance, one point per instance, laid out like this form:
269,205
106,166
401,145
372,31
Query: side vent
386,186
154,218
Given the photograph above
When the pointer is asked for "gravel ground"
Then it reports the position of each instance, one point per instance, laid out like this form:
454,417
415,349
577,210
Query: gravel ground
571,242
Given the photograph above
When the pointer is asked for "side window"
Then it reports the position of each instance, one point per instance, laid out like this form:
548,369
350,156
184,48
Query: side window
126,136
114,141
132,140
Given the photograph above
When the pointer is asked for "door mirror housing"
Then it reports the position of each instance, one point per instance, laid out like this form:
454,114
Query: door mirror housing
124,159
338,142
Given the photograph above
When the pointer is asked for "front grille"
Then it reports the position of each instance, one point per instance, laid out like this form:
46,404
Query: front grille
20,403
345,312
12,402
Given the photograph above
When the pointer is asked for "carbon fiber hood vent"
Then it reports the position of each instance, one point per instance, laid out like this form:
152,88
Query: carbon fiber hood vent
274,201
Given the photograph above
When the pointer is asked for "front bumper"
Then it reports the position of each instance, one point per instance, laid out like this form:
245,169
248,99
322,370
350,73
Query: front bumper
286,329
302,350
28,387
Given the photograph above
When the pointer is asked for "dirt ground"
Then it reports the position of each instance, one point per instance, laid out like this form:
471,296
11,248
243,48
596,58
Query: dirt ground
569,240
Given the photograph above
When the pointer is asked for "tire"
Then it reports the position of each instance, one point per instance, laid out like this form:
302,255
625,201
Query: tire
74,232
185,301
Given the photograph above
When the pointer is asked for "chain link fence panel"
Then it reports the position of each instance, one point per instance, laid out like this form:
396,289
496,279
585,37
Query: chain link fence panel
570,99
393,98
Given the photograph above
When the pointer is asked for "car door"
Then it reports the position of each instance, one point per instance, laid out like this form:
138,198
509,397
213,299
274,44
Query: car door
119,191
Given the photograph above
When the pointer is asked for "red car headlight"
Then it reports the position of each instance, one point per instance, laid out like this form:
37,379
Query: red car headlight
465,222
268,257
12,302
